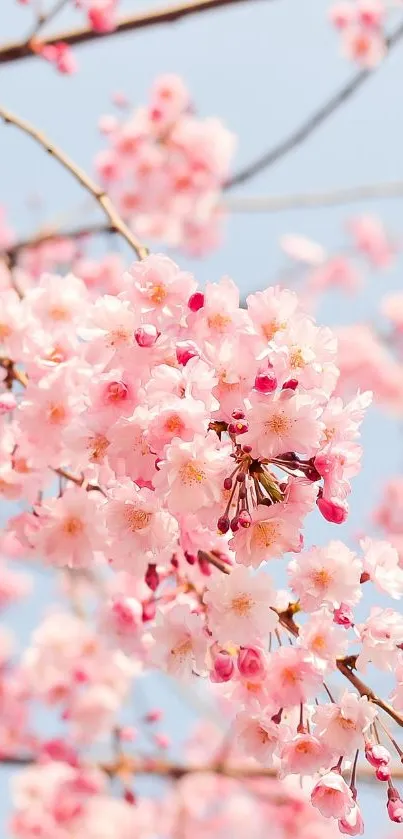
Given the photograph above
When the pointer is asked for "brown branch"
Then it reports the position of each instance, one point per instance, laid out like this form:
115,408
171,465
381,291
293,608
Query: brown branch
49,235
96,191
46,18
312,123
126,766
308,200
364,690
166,14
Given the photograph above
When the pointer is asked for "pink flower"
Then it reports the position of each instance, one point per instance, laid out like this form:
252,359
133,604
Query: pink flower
273,531
322,638
140,531
352,824
381,562
380,635
159,289
182,418
332,797
368,232
328,576
238,606
293,677
304,755
180,642
281,424
252,664
271,310
191,474
341,726
71,530
257,735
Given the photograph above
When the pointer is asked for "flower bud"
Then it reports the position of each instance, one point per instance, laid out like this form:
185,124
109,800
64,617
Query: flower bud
265,382
290,384
240,427
332,511
149,611
196,301
244,519
237,415
395,806
152,577
223,667
377,755
251,664
146,336
344,616
223,524
7,402
383,773
185,350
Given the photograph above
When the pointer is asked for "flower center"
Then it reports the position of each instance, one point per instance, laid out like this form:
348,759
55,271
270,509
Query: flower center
136,519
296,358
56,413
158,294
98,446
73,526
191,473
264,534
116,392
218,322
278,424
119,337
321,578
183,649
174,424
5,331
59,313
242,605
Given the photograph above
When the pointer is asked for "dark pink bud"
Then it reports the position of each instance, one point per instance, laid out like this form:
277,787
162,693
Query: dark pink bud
365,577
191,559
116,392
223,667
149,610
185,350
7,402
324,463
129,796
247,449
382,773
251,664
155,715
377,755
152,577
196,301
332,511
395,806
227,483
343,616
162,741
244,519
290,384
240,427
238,415
146,335
265,382
223,524
235,524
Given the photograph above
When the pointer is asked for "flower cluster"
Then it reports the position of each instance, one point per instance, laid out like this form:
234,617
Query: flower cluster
165,168
361,24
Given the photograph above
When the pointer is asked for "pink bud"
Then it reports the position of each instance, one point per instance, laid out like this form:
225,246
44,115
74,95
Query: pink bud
149,610
240,427
290,384
146,335
377,755
324,463
251,664
154,715
395,806
223,667
223,524
7,402
205,567
234,524
129,796
332,511
152,577
185,350
247,449
162,741
238,415
116,392
265,382
344,616
196,301
383,773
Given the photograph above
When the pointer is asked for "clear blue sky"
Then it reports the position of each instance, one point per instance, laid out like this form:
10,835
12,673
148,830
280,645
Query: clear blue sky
261,67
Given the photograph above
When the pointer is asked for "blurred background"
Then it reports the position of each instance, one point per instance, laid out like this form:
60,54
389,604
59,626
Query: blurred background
262,68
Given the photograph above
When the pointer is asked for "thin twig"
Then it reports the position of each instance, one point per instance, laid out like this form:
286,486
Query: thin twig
312,123
165,14
96,191
45,18
307,200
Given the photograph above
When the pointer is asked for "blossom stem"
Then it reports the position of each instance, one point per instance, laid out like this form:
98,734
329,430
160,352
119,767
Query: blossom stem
96,191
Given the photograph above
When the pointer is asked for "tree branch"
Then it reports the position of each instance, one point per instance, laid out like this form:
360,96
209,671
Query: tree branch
312,123
166,14
127,765
308,200
116,223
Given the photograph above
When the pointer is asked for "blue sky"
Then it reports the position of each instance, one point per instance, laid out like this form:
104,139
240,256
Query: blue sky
261,67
